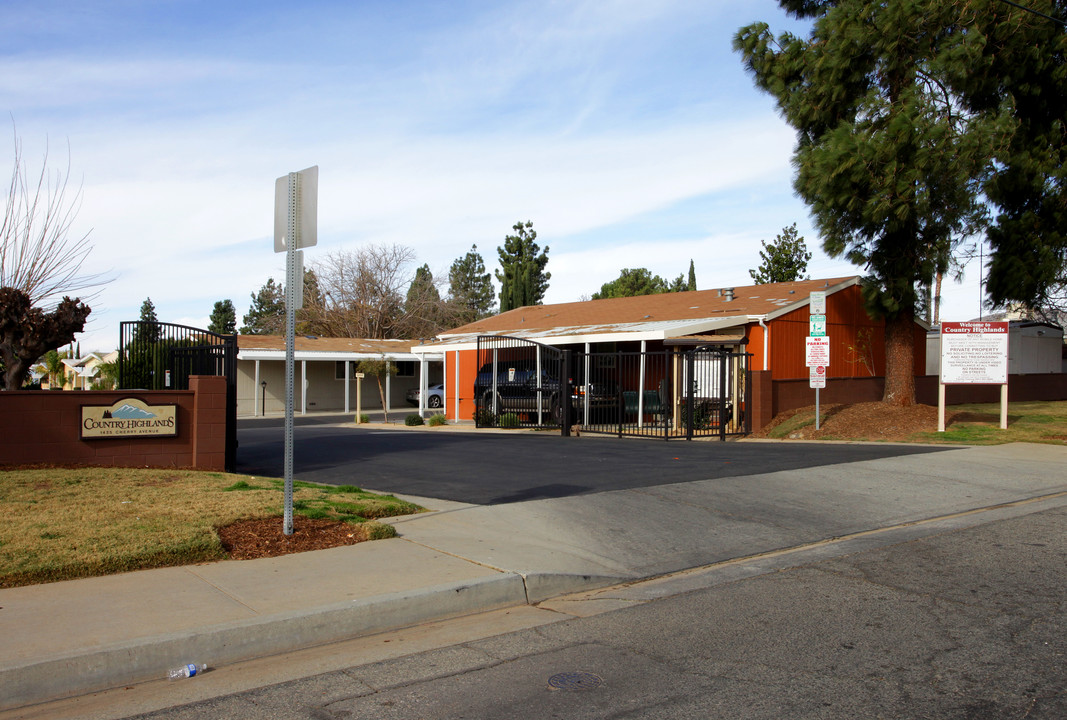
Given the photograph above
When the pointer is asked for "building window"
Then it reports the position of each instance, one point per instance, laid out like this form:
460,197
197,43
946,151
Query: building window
339,370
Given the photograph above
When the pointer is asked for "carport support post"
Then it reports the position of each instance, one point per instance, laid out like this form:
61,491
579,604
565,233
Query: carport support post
422,385
348,369
565,391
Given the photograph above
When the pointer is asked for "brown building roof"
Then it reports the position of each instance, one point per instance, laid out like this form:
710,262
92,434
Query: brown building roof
751,300
311,344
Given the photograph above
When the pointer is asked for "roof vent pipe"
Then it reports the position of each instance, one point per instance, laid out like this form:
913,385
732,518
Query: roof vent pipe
729,294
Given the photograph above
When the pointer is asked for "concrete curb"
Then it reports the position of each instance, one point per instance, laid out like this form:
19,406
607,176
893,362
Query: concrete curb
91,670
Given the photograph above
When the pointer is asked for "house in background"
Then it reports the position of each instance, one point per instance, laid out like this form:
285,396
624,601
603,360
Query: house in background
80,373
769,321
325,374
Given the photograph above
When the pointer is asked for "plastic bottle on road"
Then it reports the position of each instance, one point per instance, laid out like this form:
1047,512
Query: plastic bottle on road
186,671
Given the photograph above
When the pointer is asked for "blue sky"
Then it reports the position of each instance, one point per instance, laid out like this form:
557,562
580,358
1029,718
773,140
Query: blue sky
627,132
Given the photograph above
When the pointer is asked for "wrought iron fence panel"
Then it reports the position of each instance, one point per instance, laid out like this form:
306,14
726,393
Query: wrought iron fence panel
162,356
624,393
715,393
519,383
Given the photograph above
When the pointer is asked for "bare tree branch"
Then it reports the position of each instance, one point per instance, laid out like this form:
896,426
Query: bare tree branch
38,254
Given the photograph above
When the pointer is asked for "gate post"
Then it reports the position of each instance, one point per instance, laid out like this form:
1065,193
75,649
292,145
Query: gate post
565,391
690,384
724,395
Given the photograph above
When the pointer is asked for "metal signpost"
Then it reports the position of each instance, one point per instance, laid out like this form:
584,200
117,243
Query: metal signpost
817,346
295,227
973,353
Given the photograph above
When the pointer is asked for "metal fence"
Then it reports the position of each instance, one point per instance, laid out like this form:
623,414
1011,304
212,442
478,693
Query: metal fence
519,383
162,356
665,394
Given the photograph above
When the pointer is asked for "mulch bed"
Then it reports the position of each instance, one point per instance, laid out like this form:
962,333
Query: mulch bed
263,537
867,421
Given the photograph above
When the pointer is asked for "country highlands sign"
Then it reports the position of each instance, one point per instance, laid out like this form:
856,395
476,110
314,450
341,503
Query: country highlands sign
128,417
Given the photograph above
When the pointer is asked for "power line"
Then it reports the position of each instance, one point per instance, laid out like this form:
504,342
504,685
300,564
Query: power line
1035,12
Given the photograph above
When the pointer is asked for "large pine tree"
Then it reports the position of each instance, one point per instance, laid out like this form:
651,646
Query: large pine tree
884,158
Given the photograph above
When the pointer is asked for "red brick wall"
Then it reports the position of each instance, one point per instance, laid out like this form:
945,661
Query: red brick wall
45,427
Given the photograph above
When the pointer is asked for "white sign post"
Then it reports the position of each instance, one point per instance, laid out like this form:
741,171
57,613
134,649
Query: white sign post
817,346
973,353
295,227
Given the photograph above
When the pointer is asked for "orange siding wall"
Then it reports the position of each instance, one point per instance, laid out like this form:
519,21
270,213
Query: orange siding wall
857,343
468,370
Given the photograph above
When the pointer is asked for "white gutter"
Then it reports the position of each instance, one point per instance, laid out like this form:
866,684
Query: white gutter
766,342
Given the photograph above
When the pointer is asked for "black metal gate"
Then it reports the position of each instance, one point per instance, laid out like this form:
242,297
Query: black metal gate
162,356
519,383
666,394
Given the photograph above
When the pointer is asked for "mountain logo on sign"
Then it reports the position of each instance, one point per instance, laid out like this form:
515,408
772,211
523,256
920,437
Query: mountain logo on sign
129,412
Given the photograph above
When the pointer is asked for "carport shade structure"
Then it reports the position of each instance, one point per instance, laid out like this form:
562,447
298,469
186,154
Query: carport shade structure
326,373
770,321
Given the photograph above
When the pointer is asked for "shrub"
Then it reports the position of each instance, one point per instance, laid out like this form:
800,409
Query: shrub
363,419
437,420
413,420
509,420
484,418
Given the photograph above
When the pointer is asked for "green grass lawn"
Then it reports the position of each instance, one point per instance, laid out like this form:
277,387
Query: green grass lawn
979,424
62,523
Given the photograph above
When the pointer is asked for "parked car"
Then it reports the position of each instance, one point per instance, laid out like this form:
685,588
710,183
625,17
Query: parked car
435,396
517,390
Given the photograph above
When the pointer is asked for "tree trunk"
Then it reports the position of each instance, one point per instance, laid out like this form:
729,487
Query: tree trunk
381,394
900,359
937,299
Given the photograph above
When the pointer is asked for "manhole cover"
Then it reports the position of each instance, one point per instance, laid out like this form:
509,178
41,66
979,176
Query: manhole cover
575,681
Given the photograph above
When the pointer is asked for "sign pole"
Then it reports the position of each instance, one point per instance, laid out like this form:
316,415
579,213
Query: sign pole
817,346
290,348
295,227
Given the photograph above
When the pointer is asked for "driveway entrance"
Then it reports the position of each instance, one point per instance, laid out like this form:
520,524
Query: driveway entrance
495,468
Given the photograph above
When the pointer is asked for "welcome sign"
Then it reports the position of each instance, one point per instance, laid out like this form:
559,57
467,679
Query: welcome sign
129,417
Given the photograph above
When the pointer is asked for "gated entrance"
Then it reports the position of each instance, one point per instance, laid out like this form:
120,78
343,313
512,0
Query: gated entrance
669,394
519,383
162,356
663,394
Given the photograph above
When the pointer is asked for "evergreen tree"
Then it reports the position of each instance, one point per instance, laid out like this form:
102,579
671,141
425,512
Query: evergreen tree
223,318
692,284
471,287
632,282
883,157
783,260
522,276
1014,70
266,315
148,311
148,333
423,309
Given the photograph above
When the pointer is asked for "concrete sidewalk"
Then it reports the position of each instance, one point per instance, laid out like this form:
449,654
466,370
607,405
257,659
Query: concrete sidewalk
76,637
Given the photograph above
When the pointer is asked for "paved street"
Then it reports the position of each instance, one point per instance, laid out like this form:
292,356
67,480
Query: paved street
907,584
494,468
969,624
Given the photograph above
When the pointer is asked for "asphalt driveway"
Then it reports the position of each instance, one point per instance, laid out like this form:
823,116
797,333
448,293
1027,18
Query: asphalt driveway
495,468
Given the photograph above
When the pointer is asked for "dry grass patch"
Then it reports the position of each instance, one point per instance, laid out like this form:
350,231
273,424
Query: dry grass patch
62,523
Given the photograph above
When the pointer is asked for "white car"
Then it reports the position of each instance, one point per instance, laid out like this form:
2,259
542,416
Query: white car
435,396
